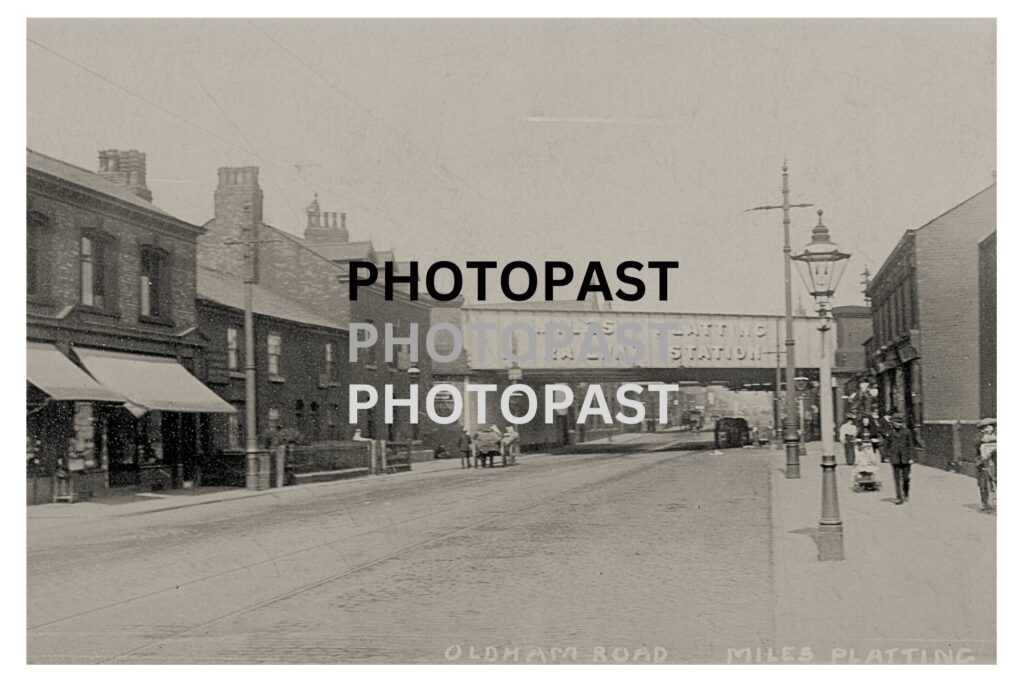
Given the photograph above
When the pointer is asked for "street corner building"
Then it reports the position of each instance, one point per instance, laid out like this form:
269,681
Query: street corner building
114,352
933,346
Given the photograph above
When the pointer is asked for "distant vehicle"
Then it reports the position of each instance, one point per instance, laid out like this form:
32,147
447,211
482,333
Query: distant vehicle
732,432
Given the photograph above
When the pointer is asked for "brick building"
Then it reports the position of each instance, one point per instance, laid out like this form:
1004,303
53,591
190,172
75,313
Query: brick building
326,233
852,330
299,370
987,323
312,271
113,344
927,318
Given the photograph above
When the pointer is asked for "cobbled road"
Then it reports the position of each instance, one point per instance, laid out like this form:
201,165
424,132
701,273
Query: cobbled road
584,558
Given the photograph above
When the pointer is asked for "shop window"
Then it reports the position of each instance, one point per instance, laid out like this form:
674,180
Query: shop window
151,425
154,284
234,431
274,354
232,333
96,269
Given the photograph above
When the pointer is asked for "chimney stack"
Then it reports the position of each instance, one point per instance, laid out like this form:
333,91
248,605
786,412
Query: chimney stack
324,227
126,168
238,196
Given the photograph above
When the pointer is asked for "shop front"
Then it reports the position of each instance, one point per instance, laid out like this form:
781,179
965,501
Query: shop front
898,374
155,438
62,399
117,420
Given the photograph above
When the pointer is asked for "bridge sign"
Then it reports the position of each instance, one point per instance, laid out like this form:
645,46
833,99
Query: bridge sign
555,340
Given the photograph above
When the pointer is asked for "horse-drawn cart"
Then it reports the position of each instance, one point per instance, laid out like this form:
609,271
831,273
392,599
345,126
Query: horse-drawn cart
488,445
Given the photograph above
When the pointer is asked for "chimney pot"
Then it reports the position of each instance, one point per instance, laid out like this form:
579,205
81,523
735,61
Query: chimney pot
126,168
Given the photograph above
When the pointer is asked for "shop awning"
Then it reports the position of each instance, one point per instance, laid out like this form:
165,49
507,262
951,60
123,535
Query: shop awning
54,373
152,382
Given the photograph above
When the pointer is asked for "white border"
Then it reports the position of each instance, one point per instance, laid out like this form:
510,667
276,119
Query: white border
1010,38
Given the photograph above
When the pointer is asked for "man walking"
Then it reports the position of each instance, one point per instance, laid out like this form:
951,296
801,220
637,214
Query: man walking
901,455
466,447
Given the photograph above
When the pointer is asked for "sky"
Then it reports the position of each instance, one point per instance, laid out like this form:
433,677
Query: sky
538,140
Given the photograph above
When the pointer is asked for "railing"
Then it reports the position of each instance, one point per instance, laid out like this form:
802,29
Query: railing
325,457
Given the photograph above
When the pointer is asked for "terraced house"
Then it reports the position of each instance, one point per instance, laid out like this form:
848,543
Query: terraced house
115,356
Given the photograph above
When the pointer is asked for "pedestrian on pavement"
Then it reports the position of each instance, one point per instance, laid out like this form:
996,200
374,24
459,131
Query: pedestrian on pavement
865,468
901,457
885,431
986,461
848,434
466,448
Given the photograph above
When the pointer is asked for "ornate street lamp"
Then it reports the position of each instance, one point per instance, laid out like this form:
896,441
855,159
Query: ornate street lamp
824,265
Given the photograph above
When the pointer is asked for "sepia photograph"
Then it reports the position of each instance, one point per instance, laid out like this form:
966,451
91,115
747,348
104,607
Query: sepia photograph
504,341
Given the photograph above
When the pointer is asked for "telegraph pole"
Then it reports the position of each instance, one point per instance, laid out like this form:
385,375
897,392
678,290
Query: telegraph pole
249,245
865,280
792,436
251,447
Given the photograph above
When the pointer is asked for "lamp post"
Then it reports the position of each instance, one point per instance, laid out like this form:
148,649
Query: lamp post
791,436
801,387
824,266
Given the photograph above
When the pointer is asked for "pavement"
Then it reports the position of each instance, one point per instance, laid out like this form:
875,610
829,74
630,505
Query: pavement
918,578
146,503
678,557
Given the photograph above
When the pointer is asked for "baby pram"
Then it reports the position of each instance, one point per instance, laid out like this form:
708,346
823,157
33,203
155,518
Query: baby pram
865,468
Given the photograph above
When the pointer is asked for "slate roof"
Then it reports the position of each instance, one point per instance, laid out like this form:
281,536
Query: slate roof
227,290
349,251
87,179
